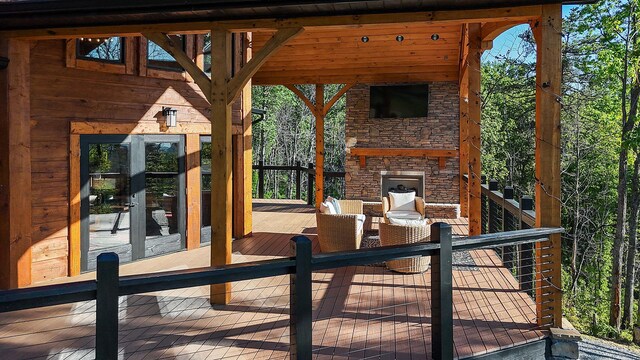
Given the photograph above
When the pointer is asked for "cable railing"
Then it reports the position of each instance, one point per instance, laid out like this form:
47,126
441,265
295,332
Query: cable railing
296,173
303,269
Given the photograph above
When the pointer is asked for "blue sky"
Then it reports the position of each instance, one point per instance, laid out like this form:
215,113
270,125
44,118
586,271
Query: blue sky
508,42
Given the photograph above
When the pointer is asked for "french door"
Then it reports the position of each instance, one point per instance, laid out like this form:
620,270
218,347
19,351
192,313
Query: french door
132,196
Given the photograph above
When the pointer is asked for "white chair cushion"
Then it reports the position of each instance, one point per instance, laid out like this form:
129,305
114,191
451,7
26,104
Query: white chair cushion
327,208
402,201
402,214
408,222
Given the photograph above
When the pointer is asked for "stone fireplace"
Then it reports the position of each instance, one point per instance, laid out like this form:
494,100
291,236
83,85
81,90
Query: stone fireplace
439,130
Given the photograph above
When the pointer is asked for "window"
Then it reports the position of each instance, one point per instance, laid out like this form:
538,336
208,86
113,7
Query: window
101,49
158,58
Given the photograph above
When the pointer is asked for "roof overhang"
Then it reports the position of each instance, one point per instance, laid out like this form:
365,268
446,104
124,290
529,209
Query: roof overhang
16,15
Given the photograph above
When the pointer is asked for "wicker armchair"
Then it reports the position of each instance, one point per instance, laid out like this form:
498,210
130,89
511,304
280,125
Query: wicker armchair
386,206
340,232
401,234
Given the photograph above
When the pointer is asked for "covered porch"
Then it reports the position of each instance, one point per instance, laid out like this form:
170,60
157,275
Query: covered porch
358,312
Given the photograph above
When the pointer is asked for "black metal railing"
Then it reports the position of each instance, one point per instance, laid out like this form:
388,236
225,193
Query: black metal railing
109,286
296,172
504,213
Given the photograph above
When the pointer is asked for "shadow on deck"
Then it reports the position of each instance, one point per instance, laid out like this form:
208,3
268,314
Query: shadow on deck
358,312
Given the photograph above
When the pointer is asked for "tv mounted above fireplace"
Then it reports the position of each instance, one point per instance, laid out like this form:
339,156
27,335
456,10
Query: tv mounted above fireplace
398,101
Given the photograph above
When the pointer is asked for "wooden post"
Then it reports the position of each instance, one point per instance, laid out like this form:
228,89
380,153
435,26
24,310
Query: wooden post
525,267
15,165
248,142
548,35
473,128
464,124
319,114
194,197
221,182
509,223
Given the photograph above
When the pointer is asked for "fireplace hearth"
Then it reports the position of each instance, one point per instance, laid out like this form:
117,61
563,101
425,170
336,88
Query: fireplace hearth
402,182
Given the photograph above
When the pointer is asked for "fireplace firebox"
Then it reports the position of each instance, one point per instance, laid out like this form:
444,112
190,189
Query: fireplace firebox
402,181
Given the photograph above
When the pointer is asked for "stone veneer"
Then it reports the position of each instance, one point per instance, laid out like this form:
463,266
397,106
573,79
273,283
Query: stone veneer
440,130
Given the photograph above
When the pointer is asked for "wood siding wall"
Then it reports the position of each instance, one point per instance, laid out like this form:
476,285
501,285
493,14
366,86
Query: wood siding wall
61,95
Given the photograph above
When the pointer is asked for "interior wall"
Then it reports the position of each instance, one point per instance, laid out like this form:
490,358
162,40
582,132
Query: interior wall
439,130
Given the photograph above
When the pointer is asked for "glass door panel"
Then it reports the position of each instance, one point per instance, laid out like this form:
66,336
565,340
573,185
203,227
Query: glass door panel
205,183
163,198
109,200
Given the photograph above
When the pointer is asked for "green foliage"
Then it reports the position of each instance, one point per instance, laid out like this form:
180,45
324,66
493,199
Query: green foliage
287,136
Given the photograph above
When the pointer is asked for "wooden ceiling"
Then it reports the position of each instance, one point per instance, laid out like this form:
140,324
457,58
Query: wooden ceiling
338,55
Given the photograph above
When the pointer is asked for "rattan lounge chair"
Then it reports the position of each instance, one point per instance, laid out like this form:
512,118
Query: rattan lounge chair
391,234
341,232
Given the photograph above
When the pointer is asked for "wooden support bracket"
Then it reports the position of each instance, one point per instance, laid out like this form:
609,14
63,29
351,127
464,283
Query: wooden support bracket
168,45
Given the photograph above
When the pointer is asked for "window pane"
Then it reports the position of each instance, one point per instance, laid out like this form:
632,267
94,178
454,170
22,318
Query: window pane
160,59
206,51
103,49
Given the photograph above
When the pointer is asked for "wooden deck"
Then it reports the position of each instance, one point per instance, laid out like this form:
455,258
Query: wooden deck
359,312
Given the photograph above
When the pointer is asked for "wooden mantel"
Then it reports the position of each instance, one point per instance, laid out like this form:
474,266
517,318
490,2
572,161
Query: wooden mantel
441,154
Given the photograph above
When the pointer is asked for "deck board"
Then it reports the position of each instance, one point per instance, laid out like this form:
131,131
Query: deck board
359,312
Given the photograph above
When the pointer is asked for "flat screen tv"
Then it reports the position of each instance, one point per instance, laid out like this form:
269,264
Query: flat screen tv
399,101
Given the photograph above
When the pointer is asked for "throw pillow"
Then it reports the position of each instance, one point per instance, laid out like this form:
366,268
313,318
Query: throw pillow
336,204
402,201
327,208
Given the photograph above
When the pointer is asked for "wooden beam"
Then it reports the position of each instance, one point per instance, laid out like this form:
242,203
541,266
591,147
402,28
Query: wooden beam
473,131
305,99
221,178
194,197
243,76
343,90
548,35
95,127
520,13
15,165
410,152
167,44
319,144
492,30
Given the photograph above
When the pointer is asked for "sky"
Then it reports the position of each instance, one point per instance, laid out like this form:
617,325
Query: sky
508,42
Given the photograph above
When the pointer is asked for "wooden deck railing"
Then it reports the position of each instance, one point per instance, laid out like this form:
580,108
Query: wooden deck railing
299,170
109,285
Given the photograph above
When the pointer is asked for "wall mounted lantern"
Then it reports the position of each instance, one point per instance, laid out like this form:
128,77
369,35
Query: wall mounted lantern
170,116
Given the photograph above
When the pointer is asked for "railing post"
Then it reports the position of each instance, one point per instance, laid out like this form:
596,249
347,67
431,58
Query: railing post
526,268
441,294
484,208
261,179
310,188
494,219
107,306
300,300
298,181
509,223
